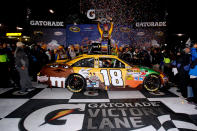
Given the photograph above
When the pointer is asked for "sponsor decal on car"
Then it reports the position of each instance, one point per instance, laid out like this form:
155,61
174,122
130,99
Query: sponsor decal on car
141,79
136,78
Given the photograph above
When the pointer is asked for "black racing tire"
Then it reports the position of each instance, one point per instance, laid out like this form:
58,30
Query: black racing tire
76,83
152,82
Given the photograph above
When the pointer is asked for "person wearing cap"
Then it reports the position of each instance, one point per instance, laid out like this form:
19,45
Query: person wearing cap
22,64
193,71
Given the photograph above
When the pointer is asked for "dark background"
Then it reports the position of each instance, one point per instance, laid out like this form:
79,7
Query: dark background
180,15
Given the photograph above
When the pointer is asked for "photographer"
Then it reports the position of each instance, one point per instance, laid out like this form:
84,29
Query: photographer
193,71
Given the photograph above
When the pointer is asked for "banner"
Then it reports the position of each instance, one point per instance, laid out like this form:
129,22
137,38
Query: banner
150,24
46,23
123,115
49,35
122,35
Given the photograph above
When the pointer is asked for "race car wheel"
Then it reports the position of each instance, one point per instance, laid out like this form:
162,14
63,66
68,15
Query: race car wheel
75,83
152,83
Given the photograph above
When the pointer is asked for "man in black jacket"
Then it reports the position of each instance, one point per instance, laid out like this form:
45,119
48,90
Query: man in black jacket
22,64
183,65
157,58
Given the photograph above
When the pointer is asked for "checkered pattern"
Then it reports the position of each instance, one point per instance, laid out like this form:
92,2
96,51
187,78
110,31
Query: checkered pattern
168,124
10,102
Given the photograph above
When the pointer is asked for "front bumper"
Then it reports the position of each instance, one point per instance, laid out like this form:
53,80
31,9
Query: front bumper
42,79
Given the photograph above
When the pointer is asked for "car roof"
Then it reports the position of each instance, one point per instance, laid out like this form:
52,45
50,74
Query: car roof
90,56
99,55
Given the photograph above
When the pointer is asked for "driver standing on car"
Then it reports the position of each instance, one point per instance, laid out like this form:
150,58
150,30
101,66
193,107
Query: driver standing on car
106,32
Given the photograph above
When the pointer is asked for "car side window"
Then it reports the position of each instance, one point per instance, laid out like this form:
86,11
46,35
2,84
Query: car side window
110,63
87,62
118,64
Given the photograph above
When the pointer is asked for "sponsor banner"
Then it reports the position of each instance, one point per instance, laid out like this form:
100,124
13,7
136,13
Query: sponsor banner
84,34
125,29
74,29
81,34
50,36
93,14
122,35
150,24
46,23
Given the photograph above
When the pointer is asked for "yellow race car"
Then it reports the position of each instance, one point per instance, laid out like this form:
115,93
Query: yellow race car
100,72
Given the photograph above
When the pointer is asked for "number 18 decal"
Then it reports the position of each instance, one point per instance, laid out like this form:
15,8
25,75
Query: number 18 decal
116,77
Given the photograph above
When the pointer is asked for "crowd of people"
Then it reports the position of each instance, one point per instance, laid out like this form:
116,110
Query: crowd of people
20,63
18,59
180,66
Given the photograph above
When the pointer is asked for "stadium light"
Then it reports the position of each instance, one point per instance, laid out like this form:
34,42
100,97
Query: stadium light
180,34
51,11
75,23
19,28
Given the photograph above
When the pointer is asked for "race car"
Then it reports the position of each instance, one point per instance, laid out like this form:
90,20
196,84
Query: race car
106,72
